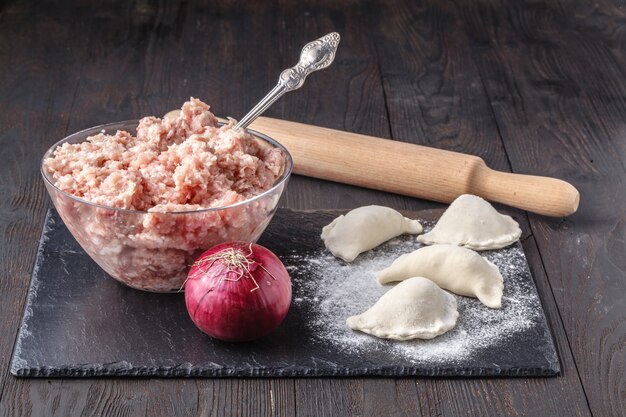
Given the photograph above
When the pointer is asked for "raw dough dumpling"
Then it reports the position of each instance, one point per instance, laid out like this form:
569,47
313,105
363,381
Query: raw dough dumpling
453,268
363,229
415,308
472,222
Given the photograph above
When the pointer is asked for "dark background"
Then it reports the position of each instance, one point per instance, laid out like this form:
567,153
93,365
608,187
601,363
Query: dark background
533,87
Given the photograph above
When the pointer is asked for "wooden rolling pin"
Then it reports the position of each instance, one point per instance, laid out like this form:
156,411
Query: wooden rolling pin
413,170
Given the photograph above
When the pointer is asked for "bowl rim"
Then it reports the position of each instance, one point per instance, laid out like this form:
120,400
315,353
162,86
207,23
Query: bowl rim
95,129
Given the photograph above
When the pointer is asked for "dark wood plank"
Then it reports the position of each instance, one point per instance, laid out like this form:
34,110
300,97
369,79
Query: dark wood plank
347,96
555,78
146,58
38,80
435,96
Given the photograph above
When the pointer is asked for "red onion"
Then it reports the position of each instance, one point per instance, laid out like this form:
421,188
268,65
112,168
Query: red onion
237,291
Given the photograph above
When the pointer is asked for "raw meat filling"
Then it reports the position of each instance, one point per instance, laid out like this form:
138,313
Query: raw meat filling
176,164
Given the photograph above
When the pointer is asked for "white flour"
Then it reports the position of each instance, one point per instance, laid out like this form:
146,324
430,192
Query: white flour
336,290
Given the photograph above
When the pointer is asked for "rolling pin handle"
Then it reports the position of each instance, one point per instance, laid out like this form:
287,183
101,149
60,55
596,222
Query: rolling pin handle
541,195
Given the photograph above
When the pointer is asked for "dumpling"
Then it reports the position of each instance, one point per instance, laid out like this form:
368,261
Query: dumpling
414,309
472,222
363,229
453,268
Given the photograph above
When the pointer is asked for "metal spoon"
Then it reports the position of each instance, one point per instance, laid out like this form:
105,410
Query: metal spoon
315,56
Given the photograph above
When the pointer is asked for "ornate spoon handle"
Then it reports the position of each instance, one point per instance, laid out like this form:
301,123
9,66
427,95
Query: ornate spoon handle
315,56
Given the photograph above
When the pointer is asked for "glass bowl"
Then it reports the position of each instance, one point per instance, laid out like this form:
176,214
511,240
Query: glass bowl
153,251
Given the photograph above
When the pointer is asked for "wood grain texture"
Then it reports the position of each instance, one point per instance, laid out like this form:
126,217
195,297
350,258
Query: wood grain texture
37,100
450,110
127,72
554,76
533,87
347,96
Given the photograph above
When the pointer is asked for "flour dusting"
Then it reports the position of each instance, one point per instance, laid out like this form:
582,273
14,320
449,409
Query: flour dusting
336,290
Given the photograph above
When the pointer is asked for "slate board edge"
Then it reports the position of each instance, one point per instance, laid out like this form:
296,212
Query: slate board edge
554,359
18,365
125,369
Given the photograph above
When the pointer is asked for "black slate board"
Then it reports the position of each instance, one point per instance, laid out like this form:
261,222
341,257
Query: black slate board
78,322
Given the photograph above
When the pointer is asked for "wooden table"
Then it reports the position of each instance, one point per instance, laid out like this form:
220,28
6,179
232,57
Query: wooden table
537,88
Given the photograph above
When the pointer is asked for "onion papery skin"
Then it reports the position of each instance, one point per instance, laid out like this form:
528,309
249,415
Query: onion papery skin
225,303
